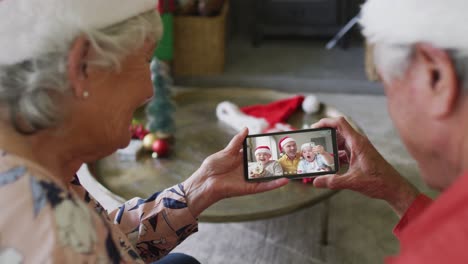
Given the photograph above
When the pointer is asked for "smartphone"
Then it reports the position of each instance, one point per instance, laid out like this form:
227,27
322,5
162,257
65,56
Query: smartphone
291,154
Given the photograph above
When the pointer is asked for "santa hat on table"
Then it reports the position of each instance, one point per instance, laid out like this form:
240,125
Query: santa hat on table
262,149
265,118
29,28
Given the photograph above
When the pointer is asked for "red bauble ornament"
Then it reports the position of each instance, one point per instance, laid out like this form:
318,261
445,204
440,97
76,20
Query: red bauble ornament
138,131
161,147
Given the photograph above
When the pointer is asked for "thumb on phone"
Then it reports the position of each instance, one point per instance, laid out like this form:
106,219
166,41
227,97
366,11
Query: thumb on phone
330,181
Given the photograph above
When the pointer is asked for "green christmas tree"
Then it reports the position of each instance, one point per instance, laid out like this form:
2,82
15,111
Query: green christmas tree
160,109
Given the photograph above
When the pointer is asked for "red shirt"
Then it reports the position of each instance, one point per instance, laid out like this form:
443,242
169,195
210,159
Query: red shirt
435,232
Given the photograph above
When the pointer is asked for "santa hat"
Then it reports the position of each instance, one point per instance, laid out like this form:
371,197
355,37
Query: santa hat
441,23
277,111
285,141
263,149
32,27
271,117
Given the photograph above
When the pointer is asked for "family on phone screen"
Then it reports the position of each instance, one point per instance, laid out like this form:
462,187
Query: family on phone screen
311,158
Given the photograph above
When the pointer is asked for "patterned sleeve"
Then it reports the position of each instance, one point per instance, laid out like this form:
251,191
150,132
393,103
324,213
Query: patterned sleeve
154,225
157,224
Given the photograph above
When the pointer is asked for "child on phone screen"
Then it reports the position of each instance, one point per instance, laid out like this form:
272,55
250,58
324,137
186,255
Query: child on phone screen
314,159
264,167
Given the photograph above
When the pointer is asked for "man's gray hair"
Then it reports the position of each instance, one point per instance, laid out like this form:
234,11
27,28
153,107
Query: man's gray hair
393,61
28,90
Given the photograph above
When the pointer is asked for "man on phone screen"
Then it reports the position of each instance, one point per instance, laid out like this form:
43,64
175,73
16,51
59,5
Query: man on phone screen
290,159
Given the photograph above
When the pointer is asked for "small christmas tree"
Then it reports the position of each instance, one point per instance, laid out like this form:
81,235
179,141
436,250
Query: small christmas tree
160,109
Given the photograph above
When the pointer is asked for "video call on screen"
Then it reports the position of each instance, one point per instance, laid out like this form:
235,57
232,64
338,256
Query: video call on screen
310,162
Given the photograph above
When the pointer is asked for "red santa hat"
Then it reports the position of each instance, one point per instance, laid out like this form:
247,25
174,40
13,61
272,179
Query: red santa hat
33,27
275,112
263,118
285,141
262,149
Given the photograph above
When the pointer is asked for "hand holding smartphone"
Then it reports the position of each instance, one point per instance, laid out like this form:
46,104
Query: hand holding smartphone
292,154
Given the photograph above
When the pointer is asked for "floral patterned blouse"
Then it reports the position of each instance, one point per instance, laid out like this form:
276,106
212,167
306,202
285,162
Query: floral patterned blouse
43,221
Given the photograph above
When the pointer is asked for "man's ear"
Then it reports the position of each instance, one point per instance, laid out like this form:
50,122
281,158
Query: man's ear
77,67
442,79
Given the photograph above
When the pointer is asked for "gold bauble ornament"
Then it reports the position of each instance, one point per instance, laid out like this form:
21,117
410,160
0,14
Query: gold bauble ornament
148,141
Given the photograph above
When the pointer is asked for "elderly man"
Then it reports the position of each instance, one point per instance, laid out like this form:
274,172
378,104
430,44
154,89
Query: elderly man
421,54
291,157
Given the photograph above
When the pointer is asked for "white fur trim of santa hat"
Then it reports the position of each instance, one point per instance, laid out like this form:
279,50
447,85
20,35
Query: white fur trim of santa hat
440,23
231,115
31,27
311,104
263,149
285,141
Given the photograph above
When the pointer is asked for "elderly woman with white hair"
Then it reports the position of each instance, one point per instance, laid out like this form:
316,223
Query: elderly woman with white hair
72,72
421,54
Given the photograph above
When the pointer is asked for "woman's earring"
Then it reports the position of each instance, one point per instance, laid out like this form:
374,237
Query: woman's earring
85,94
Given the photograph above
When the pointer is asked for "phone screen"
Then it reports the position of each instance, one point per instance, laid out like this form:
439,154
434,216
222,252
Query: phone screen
291,154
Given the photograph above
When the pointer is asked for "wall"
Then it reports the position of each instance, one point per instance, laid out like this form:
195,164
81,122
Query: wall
241,15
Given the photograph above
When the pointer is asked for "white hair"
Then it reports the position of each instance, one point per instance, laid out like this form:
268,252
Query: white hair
395,26
393,61
28,89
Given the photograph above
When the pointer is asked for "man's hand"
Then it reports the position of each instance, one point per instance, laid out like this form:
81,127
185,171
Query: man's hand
369,173
221,176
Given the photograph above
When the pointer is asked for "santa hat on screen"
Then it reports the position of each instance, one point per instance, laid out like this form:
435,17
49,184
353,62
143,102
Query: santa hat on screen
285,141
33,27
262,149
271,117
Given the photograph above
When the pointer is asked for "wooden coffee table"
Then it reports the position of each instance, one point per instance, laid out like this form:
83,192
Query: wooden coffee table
200,134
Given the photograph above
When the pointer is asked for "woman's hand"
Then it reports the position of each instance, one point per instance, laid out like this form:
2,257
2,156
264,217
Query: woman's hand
369,173
221,175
